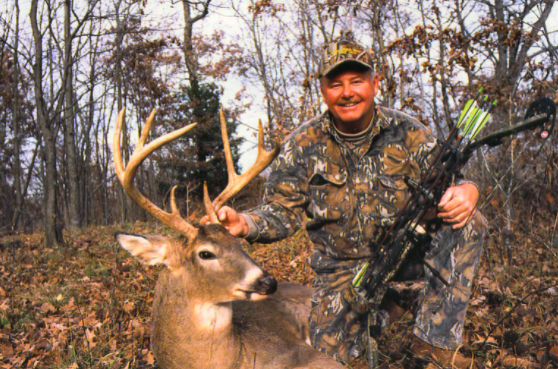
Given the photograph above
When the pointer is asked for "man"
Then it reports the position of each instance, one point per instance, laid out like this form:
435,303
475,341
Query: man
344,172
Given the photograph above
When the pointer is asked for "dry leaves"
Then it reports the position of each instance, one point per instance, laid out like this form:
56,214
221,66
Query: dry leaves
88,305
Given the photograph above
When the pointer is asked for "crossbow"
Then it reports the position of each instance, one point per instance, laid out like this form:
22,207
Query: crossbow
394,244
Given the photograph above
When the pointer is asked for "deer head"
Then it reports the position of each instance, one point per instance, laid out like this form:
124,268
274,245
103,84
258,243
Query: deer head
208,262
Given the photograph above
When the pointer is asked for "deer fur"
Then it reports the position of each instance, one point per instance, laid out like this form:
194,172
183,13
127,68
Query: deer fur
214,307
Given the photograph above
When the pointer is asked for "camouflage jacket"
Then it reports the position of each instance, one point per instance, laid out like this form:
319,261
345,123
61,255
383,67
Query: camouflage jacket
346,195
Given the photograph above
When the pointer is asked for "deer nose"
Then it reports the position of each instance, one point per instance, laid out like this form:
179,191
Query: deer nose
267,285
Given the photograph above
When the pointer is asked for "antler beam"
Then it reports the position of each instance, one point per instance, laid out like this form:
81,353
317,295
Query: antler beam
126,175
236,182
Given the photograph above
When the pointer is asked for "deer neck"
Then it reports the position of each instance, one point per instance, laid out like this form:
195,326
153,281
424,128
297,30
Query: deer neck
212,318
189,330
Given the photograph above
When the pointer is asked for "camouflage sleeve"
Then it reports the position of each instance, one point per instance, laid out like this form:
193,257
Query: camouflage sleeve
285,198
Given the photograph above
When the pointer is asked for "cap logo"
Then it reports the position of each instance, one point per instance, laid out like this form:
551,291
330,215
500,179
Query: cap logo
346,51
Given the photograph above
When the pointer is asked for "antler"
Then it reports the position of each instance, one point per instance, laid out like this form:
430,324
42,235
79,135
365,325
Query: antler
126,176
236,182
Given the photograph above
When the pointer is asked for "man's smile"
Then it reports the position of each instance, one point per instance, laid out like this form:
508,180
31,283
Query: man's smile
348,104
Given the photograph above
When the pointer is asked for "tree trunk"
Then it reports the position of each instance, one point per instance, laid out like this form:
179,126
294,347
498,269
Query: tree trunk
15,124
69,122
52,225
190,57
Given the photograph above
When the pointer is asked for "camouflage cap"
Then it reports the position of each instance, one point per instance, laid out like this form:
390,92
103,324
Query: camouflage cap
342,51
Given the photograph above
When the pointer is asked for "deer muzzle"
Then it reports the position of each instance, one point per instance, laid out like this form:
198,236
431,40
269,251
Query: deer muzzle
267,285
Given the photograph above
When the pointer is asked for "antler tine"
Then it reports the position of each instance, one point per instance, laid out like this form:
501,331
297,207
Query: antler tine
213,218
126,175
227,147
145,130
236,182
118,165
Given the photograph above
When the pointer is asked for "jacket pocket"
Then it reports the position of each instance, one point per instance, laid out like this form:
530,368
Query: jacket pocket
327,194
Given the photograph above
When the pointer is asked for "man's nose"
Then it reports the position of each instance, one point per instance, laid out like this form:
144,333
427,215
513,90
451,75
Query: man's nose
347,91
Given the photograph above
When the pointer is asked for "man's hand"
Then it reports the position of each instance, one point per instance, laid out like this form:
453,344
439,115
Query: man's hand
459,204
231,220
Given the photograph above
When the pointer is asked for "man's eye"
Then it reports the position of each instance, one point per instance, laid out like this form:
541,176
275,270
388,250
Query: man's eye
206,255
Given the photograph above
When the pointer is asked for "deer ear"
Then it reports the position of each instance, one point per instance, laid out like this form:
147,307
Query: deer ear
149,250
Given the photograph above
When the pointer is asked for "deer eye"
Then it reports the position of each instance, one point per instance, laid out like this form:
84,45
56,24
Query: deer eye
206,255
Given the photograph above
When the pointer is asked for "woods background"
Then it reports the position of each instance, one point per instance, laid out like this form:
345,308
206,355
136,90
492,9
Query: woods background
68,67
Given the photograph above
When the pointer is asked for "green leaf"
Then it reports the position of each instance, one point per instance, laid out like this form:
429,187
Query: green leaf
5,322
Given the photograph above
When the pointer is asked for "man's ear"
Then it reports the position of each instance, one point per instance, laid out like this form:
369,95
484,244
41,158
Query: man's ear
149,250
375,83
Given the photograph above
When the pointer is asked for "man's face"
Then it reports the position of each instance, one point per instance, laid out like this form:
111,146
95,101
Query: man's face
349,95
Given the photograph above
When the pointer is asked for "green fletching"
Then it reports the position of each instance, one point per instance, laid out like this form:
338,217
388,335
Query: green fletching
478,124
481,125
478,119
357,280
464,112
481,121
471,119
470,116
468,111
474,116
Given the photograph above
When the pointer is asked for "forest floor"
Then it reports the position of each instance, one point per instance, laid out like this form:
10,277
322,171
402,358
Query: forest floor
87,304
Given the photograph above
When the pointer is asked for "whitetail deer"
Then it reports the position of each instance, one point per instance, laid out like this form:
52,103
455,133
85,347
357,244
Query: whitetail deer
212,306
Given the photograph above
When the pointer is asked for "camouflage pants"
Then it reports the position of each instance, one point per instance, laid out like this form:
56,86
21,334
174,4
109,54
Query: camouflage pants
441,315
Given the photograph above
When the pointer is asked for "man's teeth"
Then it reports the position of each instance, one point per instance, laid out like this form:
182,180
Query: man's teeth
348,104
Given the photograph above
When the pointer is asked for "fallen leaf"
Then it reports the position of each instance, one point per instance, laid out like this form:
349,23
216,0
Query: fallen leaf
128,307
90,336
47,307
518,362
6,349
